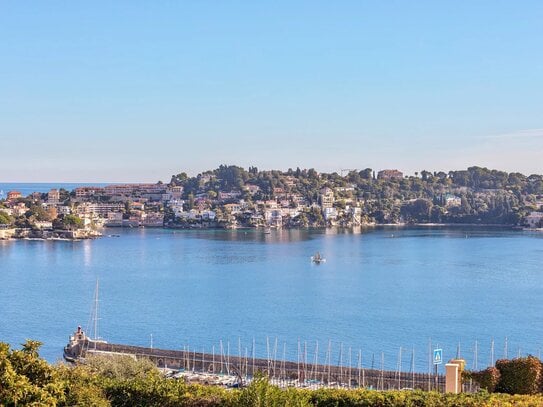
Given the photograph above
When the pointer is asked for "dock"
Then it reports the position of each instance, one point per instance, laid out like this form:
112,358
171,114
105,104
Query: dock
285,373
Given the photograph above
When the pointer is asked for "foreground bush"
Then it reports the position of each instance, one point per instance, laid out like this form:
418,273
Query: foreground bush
520,376
488,379
515,376
26,379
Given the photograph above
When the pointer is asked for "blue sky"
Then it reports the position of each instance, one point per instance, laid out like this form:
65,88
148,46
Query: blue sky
137,91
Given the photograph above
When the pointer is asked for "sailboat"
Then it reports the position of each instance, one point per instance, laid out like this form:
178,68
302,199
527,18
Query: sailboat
79,341
317,258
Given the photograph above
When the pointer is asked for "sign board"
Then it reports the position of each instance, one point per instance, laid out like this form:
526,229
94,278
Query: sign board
438,356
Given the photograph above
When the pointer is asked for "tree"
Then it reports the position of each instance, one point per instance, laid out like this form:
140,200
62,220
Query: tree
26,379
72,222
5,219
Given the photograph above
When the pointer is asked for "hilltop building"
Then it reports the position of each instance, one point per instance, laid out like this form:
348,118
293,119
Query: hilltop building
13,195
390,174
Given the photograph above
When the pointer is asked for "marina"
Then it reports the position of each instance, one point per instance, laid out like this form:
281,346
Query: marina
220,367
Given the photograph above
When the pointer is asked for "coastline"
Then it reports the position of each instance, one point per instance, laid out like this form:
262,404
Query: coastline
65,235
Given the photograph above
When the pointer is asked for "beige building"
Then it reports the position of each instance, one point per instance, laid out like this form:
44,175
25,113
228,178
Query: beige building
326,198
53,196
390,174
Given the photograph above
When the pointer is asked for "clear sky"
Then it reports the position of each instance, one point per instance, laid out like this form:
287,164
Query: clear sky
139,90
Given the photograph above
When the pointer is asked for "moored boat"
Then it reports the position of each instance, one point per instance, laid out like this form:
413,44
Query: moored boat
317,258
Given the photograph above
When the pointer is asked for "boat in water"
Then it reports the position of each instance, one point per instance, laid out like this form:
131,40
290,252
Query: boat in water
317,258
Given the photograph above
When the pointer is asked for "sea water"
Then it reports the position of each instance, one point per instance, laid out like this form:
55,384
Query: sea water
379,289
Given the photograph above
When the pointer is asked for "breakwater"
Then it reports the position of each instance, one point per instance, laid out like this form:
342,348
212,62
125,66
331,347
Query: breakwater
301,372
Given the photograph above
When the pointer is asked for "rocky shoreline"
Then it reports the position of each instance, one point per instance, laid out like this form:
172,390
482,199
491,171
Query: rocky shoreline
55,234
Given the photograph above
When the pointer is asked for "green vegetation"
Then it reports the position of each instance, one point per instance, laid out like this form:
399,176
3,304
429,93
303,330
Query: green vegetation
5,219
476,195
27,380
68,222
515,376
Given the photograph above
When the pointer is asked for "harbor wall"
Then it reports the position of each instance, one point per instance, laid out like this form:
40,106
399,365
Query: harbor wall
220,363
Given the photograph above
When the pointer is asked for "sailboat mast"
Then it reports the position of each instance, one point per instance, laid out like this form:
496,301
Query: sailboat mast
96,313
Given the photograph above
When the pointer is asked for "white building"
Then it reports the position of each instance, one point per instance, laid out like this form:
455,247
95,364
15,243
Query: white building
330,213
99,208
43,225
64,210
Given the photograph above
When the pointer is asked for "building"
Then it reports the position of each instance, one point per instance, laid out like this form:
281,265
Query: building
252,189
114,219
274,218
326,198
176,205
13,195
174,192
390,174
226,196
43,225
233,208
452,200
138,206
330,214
19,209
534,220
153,219
149,191
88,192
98,208
63,210
53,196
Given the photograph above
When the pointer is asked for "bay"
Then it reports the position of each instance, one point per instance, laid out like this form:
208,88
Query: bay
380,289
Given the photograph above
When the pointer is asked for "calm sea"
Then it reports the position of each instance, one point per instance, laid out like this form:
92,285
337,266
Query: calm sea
379,290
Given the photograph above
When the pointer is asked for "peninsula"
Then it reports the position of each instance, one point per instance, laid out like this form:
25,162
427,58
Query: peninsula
232,197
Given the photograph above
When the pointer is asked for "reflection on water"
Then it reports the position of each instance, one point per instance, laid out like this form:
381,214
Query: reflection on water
87,252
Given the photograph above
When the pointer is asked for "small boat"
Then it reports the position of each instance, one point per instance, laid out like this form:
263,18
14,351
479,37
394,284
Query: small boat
317,258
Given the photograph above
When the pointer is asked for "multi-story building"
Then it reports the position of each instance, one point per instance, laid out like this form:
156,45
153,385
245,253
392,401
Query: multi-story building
125,191
233,208
326,198
63,210
88,192
274,218
390,174
98,208
153,219
13,195
53,196
174,192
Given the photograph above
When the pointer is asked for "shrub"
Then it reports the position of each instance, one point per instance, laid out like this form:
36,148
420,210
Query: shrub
488,379
519,376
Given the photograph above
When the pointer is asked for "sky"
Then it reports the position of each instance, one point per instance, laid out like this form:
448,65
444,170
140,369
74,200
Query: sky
127,91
